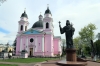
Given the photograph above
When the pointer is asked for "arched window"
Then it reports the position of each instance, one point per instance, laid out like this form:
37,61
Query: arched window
47,25
21,27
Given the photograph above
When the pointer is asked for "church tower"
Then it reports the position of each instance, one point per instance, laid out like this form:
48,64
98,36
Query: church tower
48,21
48,29
23,23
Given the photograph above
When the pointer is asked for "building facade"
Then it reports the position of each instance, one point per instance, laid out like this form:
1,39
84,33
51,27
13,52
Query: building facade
39,40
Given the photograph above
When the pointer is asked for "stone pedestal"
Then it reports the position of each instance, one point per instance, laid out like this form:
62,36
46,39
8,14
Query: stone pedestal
71,59
71,55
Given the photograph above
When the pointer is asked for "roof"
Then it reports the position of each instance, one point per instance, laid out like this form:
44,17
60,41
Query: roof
24,15
57,37
38,24
47,11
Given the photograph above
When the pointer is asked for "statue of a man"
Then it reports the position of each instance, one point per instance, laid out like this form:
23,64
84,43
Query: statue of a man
69,32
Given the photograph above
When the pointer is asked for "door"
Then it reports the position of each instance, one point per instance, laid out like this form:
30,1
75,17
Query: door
31,51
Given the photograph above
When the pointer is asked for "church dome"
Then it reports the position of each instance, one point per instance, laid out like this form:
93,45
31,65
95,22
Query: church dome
47,11
38,24
24,15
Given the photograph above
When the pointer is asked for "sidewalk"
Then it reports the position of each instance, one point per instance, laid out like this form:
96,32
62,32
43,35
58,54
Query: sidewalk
49,63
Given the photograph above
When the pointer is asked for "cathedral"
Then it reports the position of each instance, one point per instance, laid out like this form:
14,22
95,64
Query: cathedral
39,40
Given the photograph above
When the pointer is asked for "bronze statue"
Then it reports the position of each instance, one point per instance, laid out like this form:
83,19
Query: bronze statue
69,32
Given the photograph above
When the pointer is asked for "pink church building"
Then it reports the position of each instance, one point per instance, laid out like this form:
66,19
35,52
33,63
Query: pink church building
39,40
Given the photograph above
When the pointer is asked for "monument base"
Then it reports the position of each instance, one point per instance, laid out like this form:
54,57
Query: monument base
69,63
71,59
71,55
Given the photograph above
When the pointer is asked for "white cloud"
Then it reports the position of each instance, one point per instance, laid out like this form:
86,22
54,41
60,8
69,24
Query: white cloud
80,13
5,38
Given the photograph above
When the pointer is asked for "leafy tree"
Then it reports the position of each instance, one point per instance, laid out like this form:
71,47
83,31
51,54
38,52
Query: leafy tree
63,47
14,44
2,1
87,33
97,47
77,44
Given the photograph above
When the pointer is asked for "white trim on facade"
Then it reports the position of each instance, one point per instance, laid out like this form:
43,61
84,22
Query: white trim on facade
27,48
43,44
21,45
36,44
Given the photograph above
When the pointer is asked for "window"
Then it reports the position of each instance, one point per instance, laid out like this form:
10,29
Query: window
47,25
21,27
31,40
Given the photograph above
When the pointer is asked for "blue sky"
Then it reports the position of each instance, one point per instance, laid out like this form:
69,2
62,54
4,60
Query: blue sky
79,12
4,31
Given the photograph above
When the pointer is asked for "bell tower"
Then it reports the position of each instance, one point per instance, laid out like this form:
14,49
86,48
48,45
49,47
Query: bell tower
48,21
23,23
48,29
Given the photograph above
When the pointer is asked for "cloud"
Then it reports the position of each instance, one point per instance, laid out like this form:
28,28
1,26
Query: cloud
80,15
5,38
79,12
4,31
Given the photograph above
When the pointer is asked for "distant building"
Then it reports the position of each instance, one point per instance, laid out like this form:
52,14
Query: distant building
39,40
4,46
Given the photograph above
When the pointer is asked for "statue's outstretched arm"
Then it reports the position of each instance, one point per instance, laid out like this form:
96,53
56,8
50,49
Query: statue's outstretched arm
61,29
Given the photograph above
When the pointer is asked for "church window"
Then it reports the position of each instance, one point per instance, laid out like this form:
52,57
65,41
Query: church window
31,40
47,25
21,27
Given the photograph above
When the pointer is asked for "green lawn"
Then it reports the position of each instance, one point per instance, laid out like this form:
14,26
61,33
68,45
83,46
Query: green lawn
27,60
8,65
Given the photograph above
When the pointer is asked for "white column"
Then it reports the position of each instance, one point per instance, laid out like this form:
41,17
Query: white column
23,27
27,43
43,43
18,27
35,44
21,45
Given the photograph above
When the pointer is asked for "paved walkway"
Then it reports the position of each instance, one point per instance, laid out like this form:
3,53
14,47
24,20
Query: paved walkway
20,64
49,63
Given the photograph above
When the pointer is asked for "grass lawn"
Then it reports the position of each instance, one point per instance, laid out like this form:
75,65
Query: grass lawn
27,60
98,60
8,65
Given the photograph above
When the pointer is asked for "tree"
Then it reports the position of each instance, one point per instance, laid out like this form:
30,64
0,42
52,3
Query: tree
97,47
14,44
2,1
63,47
76,41
87,33
77,44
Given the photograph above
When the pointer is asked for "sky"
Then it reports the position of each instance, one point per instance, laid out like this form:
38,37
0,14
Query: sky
79,12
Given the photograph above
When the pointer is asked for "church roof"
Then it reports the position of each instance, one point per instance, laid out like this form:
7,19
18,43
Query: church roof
38,24
47,11
24,15
57,37
33,31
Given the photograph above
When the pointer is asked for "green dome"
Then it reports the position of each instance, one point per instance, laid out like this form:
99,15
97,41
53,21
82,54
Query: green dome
38,24
47,11
24,15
